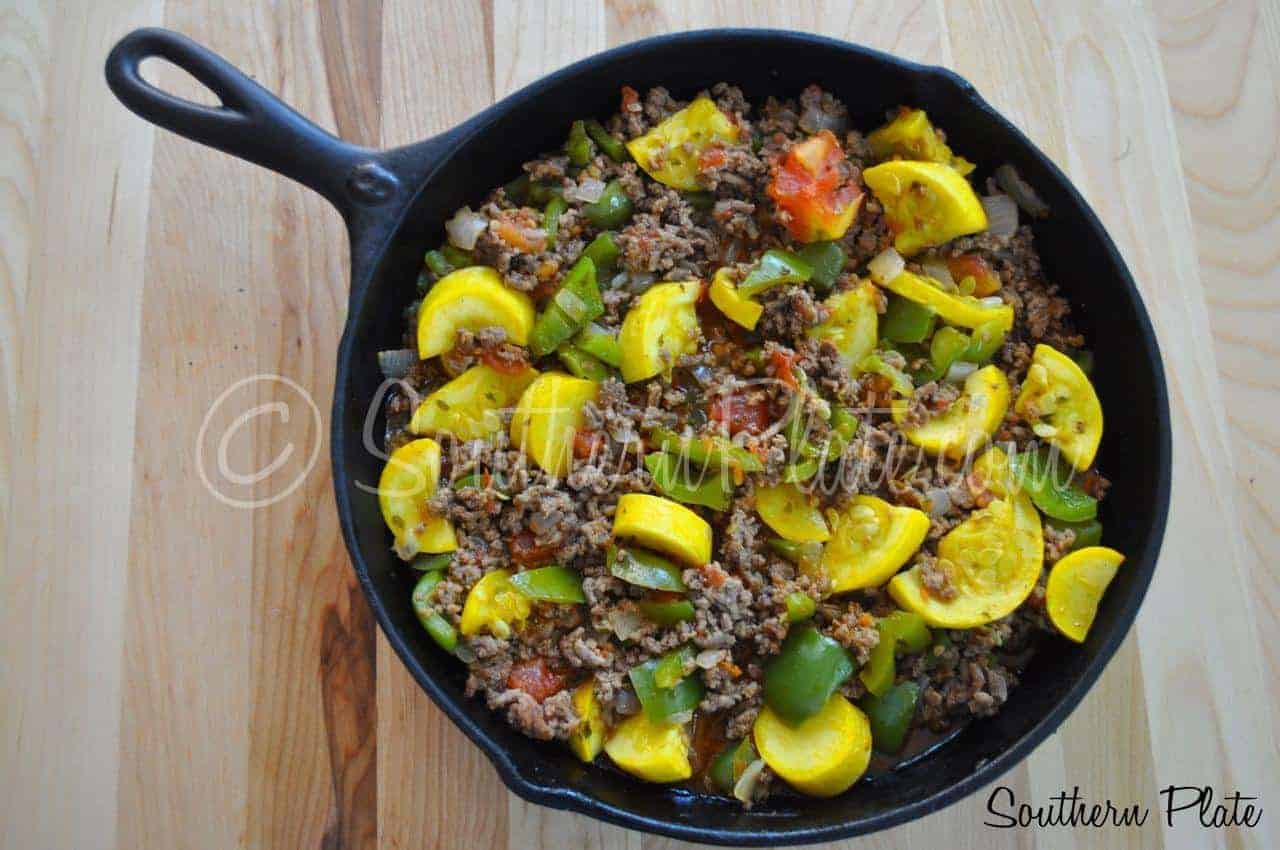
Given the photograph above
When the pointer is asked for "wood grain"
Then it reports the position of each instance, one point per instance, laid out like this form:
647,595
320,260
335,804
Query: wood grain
179,672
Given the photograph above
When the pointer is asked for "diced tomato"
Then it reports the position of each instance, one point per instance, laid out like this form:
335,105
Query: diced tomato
505,365
810,186
713,575
986,281
535,678
783,363
739,413
629,96
517,237
712,157
587,443
528,552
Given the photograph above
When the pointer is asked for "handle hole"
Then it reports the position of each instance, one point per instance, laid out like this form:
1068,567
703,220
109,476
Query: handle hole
176,81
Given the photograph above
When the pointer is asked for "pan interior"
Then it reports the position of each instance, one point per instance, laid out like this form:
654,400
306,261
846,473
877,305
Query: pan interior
1076,256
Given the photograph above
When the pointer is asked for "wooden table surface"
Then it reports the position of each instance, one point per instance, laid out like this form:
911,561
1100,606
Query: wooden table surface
178,672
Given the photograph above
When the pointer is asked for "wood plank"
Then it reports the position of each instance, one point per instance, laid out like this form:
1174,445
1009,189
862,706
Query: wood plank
442,792
73,212
1115,101
248,657
1232,190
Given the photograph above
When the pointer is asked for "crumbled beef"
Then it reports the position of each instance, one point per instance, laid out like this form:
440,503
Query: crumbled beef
789,313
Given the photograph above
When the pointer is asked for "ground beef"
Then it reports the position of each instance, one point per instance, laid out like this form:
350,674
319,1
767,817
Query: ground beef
790,312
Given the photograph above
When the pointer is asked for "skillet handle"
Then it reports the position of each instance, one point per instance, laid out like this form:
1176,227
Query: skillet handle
251,123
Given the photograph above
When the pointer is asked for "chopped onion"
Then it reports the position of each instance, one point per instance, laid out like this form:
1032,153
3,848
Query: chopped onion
939,501
938,270
627,624
464,653
991,301
640,281
1020,190
959,371
1002,215
744,789
619,280
587,190
396,362
681,717
709,658
626,702
886,265
465,228
814,118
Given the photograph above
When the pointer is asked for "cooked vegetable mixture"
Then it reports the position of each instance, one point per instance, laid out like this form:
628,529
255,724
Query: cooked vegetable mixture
737,443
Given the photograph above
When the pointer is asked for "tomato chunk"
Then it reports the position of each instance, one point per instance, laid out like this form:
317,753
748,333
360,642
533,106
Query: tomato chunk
740,413
535,678
527,551
587,443
814,191
985,280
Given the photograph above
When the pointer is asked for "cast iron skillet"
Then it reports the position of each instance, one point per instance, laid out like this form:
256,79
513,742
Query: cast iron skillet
395,204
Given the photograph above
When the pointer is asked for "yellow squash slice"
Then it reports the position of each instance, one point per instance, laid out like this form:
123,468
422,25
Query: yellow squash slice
725,296
851,327
549,414
1075,587
655,752
910,135
661,327
968,423
587,740
823,755
1059,401
407,483
471,299
664,526
470,406
926,203
494,605
669,152
963,310
870,541
993,560
788,510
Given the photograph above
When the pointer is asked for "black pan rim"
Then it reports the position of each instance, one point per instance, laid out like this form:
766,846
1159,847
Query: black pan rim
767,834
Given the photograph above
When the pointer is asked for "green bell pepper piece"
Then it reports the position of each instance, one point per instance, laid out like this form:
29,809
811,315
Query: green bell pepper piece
706,451
827,260
776,267
551,584
670,669
440,629
600,344
614,149
436,263
906,321
475,480
551,219
431,563
986,342
517,191
645,569
575,303
800,606
1088,532
678,481
612,210
700,200
947,346
1040,477
582,365
456,257
667,613
540,193
803,555
727,768
803,676
603,251
898,379
844,422
798,473
425,281
900,632
891,715
659,702
579,147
